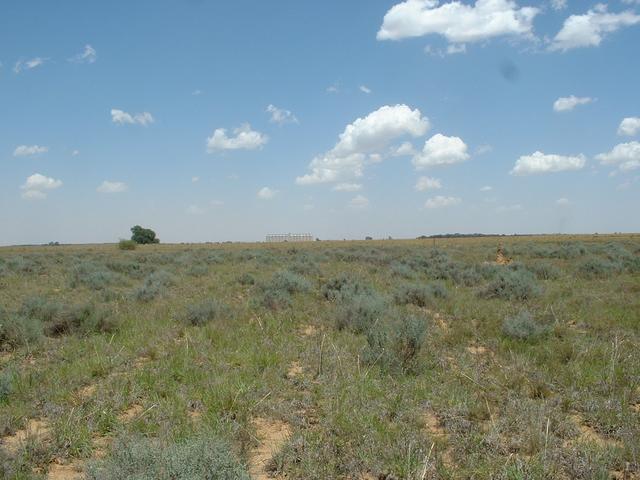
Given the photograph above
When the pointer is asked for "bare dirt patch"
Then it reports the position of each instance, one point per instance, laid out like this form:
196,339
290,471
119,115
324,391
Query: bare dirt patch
435,430
271,435
131,413
588,434
70,471
87,391
309,330
295,371
38,429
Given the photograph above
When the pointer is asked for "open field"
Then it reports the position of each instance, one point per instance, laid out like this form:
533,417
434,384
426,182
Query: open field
352,360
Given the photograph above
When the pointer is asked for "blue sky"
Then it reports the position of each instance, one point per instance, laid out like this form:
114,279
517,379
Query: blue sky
386,118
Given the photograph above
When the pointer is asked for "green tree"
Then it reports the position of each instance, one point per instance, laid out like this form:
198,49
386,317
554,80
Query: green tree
143,235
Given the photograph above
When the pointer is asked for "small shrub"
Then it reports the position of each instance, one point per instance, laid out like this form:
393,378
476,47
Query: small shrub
344,286
545,271
597,268
17,330
512,285
199,270
92,276
40,309
202,457
402,270
396,343
522,326
274,298
153,286
82,319
290,282
205,312
246,279
127,245
419,294
359,311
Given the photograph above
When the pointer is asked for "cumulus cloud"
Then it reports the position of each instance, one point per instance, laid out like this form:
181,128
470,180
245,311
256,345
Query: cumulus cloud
441,202
563,202
441,150
29,150
458,22
266,193
359,201
589,29
122,118
195,179
112,187
243,139
626,156
280,115
566,104
486,188
428,183
348,187
88,55
629,126
364,89
539,162
558,4
37,185
363,141
28,64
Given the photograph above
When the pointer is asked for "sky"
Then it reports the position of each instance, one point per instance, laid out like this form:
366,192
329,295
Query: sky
214,121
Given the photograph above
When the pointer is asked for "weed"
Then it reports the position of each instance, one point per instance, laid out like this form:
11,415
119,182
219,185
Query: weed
205,312
522,326
203,457
512,285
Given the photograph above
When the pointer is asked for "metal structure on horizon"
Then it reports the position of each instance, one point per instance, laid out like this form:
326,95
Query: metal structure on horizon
289,237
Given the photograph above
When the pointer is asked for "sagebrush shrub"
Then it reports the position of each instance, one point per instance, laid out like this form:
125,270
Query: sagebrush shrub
92,276
290,282
17,329
344,286
545,271
127,245
246,279
202,457
358,311
153,286
597,268
207,311
421,295
512,285
522,326
396,342
274,298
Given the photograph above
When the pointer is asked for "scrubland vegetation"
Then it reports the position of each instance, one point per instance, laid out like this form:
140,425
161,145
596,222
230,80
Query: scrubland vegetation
352,360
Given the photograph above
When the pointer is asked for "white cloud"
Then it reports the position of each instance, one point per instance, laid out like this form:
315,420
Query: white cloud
625,155
37,185
486,188
266,193
359,201
558,4
363,141
28,64
458,22
333,88
88,55
196,92
441,202
405,149
244,139
566,104
563,202
428,183
75,153
120,117
589,29
441,150
195,179
509,208
195,210
539,162
629,126
29,150
280,115
112,187
348,187
364,89
216,203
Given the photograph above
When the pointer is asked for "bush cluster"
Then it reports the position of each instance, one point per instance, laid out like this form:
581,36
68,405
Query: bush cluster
512,285
207,311
153,286
522,326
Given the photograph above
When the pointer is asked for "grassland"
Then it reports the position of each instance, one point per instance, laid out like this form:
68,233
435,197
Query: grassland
352,360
